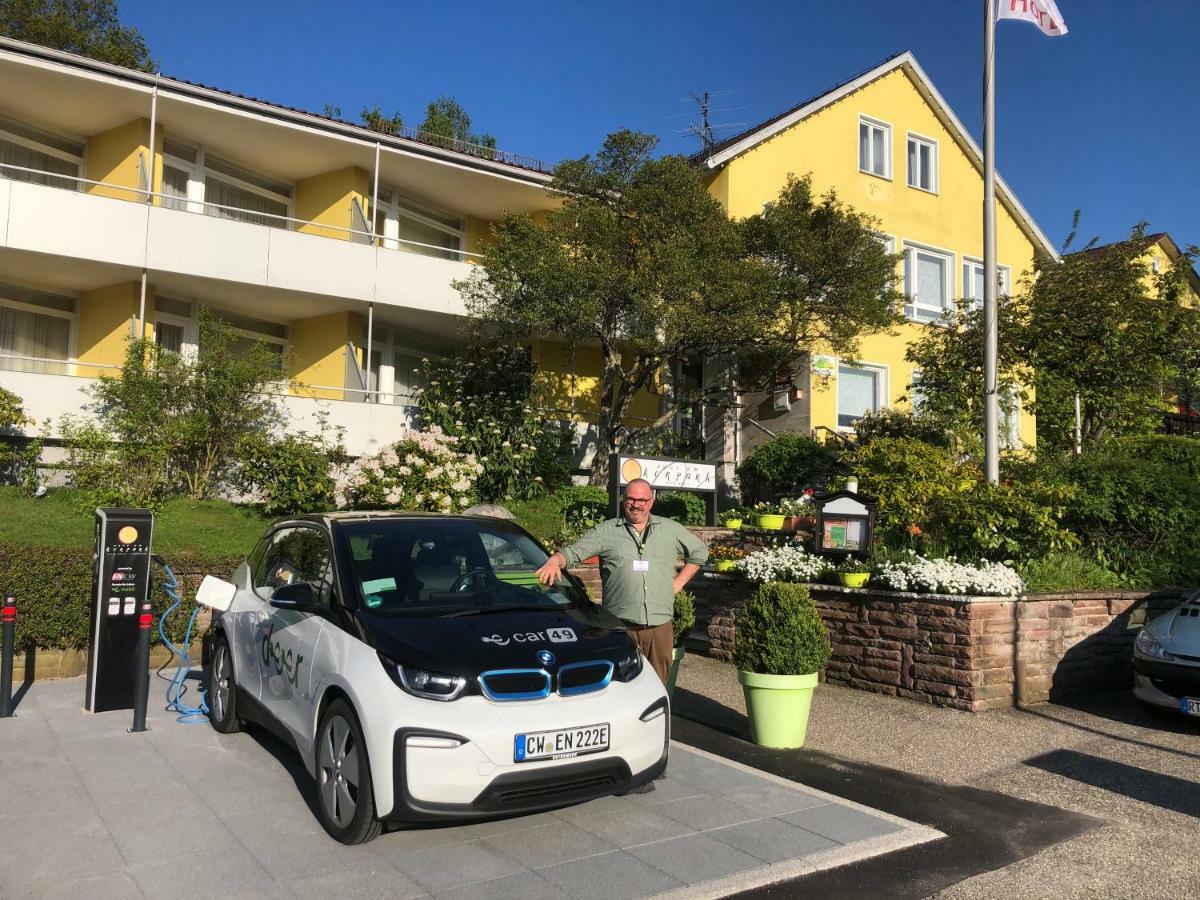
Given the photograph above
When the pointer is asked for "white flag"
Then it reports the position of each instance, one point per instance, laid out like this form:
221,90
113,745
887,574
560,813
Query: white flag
1042,13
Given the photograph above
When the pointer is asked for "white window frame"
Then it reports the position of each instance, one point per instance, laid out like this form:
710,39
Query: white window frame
399,206
886,128
911,305
190,348
969,264
914,382
883,378
1010,426
198,173
914,138
71,317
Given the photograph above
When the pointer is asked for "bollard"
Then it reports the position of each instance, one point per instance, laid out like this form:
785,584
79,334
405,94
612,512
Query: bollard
8,615
141,683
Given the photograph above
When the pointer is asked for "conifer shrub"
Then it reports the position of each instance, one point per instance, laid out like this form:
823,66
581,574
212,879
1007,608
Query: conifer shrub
780,633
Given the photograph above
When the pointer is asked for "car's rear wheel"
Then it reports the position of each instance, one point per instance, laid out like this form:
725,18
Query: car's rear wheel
345,797
222,690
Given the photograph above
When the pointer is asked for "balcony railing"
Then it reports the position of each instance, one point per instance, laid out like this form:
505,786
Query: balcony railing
362,234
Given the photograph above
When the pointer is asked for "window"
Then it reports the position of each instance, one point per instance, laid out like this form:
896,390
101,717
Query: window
1010,419
916,396
973,282
296,555
922,163
395,367
174,327
271,335
197,181
861,389
874,147
35,330
405,225
30,148
927,282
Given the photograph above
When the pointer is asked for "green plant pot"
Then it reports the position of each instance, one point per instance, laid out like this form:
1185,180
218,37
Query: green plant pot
771,522
734,523
854,579
778,706
724,565
673,672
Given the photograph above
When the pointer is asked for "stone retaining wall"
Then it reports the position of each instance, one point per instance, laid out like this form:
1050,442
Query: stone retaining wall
969,653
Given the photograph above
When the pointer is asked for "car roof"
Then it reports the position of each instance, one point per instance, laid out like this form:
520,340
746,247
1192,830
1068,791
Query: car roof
343,516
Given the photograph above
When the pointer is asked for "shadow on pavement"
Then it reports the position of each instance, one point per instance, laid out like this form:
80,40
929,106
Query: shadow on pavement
699,708
27,680
1165,791
1126,710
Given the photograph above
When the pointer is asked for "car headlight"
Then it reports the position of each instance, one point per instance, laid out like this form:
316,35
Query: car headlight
629,667
424,683
1148,645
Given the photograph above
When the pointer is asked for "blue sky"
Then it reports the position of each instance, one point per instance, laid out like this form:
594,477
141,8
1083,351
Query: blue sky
1104,118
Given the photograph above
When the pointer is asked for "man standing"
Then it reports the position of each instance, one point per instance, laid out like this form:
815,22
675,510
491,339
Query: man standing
637,553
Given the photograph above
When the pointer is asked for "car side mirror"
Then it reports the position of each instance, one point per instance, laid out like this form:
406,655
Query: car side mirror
298,597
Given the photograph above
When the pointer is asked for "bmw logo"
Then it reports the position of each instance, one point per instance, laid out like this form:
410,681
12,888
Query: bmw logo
545,657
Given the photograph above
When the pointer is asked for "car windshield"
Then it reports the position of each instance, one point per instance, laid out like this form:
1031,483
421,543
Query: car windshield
431,566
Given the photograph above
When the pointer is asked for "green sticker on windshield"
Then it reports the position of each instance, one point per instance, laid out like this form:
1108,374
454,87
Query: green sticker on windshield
374,600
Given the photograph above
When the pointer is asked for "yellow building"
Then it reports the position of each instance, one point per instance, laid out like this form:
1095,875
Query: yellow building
891,147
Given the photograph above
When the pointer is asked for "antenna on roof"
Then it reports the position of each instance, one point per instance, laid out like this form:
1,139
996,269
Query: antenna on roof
705,130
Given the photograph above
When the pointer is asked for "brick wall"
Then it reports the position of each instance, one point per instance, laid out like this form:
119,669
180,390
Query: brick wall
969,653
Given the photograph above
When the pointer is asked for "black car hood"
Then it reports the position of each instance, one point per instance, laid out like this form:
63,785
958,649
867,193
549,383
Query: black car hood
468,645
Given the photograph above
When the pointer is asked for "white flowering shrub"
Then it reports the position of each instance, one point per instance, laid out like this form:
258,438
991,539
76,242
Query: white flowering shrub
948,576
789,562
424,470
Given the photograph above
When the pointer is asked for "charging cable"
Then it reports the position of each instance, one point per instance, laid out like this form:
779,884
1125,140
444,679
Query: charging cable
190,715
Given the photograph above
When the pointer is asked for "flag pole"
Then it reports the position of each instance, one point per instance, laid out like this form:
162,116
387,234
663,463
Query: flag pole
991,437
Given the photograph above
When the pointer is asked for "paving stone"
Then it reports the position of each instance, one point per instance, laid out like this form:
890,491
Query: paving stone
666,790
176,838
76,856
525,886
232,873
112,886
548,845
843,824
341,883
436,870
772,840
705,812
694,858
633,825
611,876
270,823
299,856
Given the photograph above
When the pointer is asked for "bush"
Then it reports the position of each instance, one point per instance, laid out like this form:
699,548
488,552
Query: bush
900,423
583,506
908,477
18,455
779,632
292,475
684,617
53,591
425,470
785,464
684,507
1067,571
1003,521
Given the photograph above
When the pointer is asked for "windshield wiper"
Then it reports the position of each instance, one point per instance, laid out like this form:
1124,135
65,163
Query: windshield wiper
484,610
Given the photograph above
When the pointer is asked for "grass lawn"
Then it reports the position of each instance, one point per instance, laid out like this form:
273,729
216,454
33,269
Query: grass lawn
205,527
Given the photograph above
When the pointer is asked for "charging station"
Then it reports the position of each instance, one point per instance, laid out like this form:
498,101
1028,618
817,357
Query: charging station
120,586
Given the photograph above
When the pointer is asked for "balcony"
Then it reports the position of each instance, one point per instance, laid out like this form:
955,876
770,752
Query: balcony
64,222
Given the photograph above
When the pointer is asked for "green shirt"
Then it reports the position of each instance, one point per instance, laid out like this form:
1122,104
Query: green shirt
640,593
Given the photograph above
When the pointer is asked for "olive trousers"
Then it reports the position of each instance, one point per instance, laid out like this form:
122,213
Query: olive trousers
655,642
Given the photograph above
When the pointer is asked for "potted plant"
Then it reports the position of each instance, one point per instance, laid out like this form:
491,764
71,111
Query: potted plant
853,573
682,622
768,515
725,555
732,518
797,511
780,646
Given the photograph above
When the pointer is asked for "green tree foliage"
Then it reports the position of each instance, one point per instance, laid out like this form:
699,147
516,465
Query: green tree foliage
488,396
684,507
169,425
683,619
908,478
376,120
87,27
784,464
780,633
293,474
448,124
18,454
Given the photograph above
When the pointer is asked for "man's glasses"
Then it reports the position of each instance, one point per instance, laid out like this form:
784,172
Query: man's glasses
638,501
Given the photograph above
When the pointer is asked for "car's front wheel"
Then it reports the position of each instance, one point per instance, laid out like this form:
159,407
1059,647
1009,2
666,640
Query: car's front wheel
222,690
345,798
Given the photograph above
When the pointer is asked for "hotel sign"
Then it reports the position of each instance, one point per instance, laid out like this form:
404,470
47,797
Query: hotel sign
672,474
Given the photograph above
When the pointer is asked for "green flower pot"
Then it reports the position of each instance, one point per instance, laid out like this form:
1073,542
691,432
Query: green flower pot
734,523
673,672
854,579
778,707
771,522
724,565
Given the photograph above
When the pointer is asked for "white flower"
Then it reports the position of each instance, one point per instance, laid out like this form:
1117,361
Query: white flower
947,576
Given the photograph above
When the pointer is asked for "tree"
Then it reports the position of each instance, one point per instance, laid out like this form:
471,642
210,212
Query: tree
641,261
377,121
1101,325
87,27
447,122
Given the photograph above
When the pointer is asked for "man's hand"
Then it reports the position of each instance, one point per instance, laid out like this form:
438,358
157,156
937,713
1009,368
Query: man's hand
549,573
686,574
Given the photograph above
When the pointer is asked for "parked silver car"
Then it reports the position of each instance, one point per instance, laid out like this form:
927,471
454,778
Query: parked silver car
1166,659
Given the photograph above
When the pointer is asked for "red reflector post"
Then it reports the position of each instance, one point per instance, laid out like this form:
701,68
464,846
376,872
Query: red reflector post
8,613
145,620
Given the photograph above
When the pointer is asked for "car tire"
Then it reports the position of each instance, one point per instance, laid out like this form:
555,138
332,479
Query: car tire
222,690
345,794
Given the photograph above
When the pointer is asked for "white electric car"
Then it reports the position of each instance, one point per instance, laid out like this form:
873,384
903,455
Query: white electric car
424,674
1166,659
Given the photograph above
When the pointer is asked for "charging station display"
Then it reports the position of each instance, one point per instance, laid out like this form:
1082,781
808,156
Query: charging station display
120,585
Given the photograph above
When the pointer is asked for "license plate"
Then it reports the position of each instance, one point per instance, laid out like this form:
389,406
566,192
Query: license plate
1189,706
560,744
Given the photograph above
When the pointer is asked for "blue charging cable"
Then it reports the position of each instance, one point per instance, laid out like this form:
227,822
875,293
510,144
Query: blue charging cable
190,715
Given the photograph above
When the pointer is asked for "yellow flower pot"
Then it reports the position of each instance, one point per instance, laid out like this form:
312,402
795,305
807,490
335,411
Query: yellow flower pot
724,565
854,579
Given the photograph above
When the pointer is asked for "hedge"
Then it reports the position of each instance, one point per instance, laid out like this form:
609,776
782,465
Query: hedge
53,591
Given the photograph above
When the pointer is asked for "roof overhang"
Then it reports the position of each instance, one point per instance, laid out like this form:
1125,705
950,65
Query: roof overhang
941,108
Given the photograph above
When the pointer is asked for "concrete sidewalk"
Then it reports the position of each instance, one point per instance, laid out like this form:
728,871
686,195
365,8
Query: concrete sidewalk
89,810
1138,774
